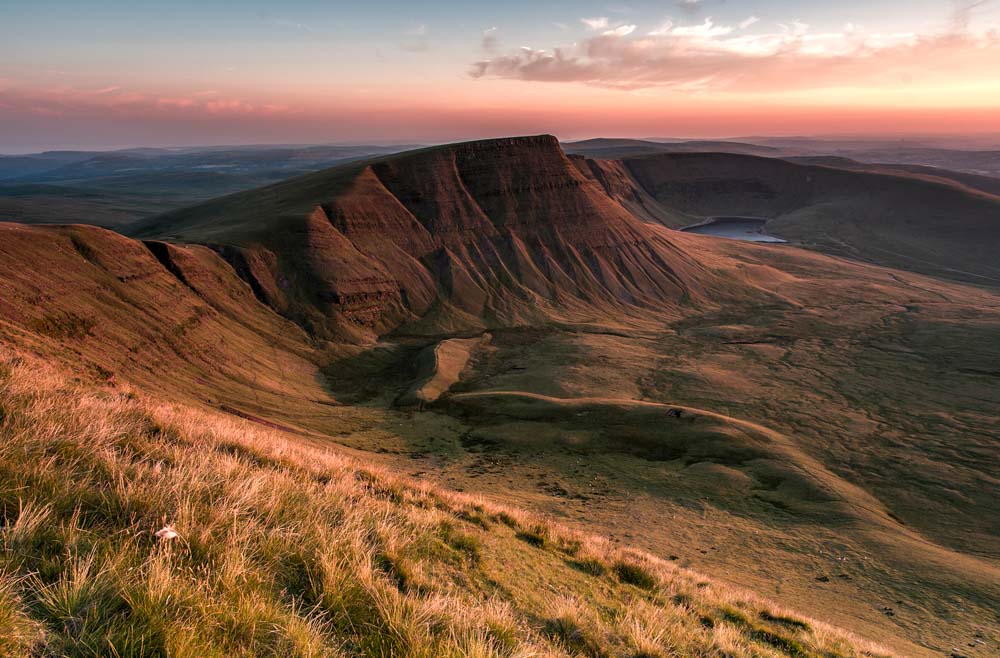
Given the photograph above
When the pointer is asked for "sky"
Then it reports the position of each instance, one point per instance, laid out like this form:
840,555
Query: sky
114,74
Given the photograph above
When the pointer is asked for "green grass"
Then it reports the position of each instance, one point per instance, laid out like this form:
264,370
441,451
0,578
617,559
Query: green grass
589,565
784,620
634,574
285,550
536,535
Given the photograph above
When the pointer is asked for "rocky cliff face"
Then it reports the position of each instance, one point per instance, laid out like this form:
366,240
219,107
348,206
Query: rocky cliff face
484,233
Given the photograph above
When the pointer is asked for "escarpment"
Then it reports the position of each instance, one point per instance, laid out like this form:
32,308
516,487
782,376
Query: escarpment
487,233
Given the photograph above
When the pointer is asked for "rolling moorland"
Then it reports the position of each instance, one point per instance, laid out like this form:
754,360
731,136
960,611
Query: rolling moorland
115,188
507,321
981,159
908,216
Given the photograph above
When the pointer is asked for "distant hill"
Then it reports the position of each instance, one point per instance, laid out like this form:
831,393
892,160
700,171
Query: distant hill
619,148
983,161
930,222
23,166
988,184
115,188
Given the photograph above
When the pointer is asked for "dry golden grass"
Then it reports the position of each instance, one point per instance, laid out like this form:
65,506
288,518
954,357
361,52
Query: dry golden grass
284,550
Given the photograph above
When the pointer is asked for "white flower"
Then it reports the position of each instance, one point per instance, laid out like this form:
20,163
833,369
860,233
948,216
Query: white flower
166,532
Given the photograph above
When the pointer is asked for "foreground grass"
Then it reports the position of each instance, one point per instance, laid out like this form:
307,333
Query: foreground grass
283,550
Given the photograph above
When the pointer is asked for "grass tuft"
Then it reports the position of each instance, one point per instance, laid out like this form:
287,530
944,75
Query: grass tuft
589,565
569,631
463,542
635,574
784,620
537,535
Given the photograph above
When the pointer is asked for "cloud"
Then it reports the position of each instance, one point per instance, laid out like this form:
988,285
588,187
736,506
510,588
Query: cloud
120,102
796,28
961,13
666,28
753,20
705,30
620,31
707,55
598,23
607,29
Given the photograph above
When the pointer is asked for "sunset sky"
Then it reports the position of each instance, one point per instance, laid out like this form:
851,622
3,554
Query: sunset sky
103,74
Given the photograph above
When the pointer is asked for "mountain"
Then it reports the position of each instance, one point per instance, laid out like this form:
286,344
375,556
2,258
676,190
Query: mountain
483,233
935,224
58,166
973,157
505,320
116,307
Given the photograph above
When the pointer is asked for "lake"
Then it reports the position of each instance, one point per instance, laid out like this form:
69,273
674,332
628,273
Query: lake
749,229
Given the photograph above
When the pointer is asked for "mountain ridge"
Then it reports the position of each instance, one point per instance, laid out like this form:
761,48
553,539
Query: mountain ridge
494,230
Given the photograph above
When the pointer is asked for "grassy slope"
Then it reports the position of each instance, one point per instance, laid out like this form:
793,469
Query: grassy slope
39,204
115,201
108,306
289,551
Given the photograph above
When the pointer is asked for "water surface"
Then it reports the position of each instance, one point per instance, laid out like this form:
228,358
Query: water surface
749,229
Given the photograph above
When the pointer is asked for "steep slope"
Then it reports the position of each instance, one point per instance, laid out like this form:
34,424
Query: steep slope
915,222
464,236
619,184
174,319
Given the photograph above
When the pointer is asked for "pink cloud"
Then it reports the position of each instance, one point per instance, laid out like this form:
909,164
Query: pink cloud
121,102
708,55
